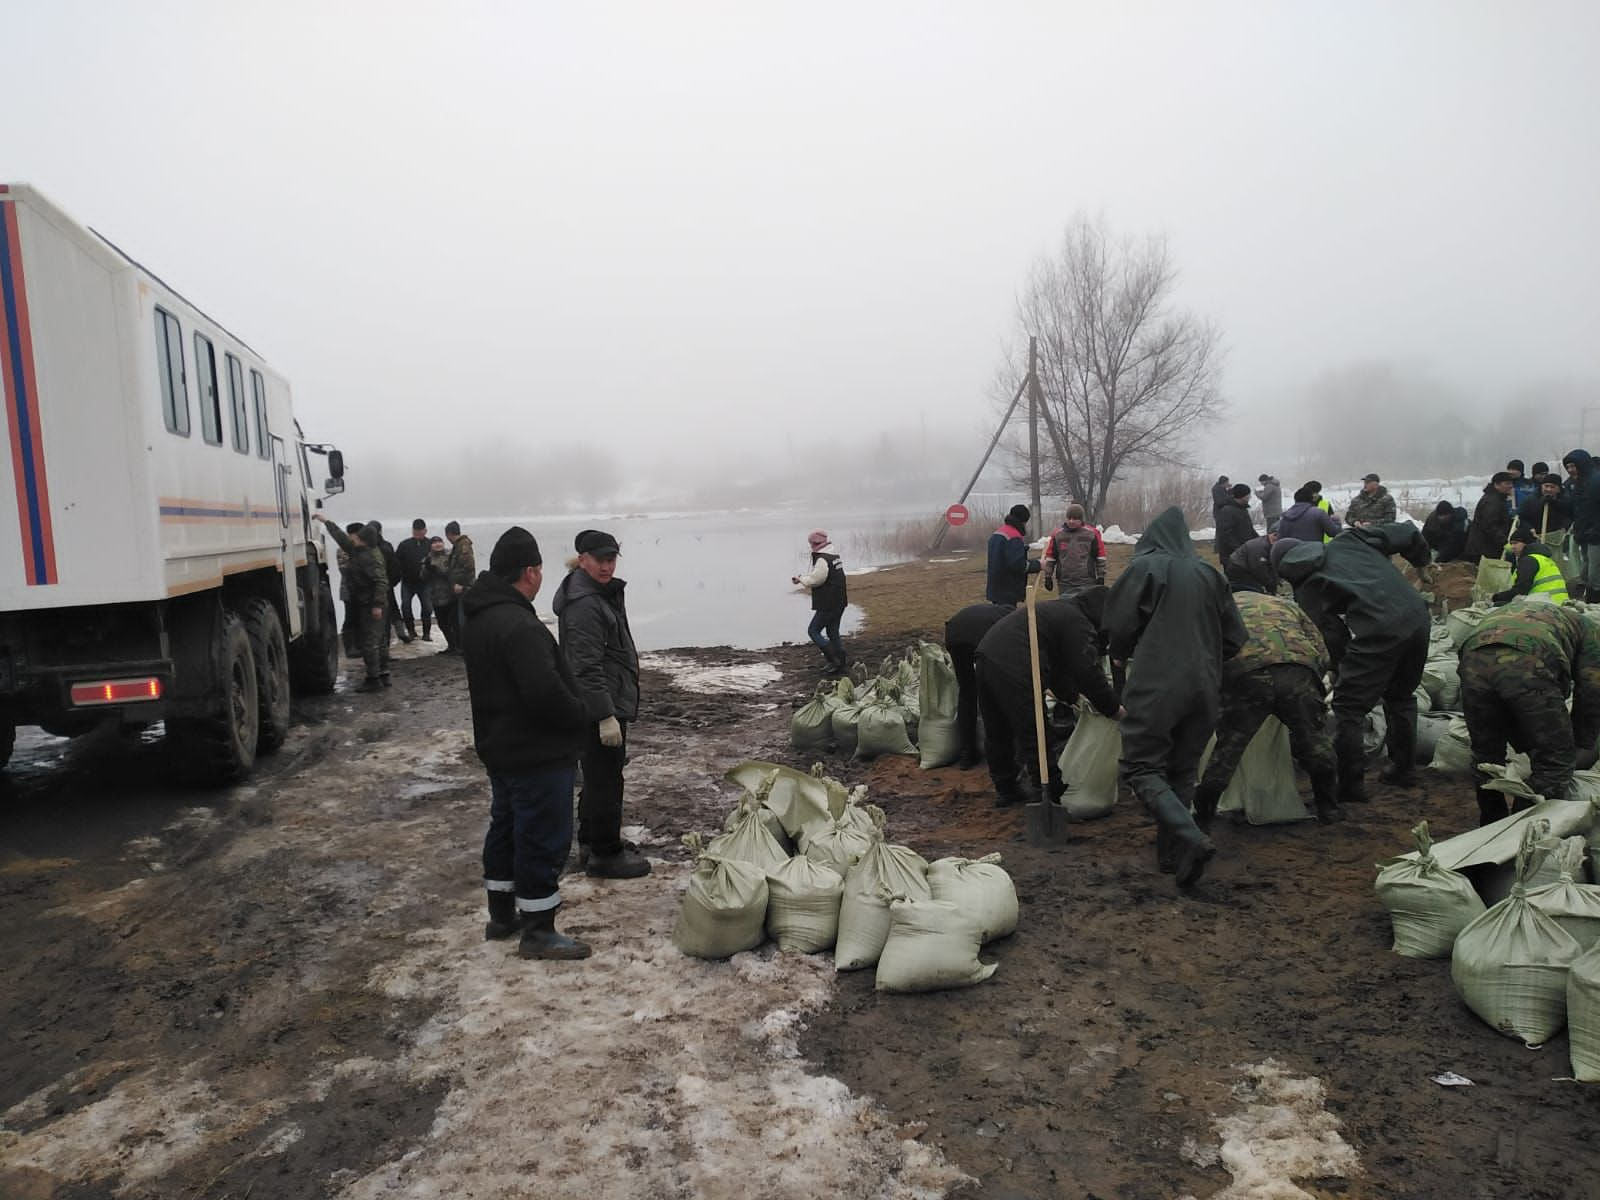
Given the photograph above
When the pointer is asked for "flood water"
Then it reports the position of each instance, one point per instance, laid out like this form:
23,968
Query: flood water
695,579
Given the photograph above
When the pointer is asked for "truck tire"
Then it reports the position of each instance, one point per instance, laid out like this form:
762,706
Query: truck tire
314,659
271,652
220,747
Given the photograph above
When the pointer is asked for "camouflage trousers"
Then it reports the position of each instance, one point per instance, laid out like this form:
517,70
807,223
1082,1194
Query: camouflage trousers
1291,693
375,643
1509,697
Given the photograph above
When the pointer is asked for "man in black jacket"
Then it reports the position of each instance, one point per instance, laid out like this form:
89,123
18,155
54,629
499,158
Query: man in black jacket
1445,531
391,570
1069,666
1234,527
962,633
413,556
1547,511
527,726
598,644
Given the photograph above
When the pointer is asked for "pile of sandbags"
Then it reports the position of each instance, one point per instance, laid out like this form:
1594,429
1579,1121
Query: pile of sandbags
908,707
1089,763
846,887
1429,904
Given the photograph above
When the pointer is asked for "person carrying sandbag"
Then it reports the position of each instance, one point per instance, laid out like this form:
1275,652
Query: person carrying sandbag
1517,668
1376,627
1069,665
1173,616
1278,673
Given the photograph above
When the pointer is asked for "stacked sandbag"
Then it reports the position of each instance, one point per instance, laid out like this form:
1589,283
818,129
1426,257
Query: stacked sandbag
724,908
881,726
938,741
931,945
1461,623
980,890
1431,727
748,839
840,842
795,797
803,905
1428,904
769,818
1452,752
1583,1016
1441,677
1089,764
1263,786
864,912
811,727
1569,902
1510,965
845,722
1487,855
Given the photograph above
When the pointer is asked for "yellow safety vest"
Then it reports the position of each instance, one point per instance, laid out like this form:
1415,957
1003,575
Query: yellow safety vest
1549,582
1326,507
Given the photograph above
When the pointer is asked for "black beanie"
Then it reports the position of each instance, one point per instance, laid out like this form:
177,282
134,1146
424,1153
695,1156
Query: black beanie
1240,491
1515,465
514,553
1018,516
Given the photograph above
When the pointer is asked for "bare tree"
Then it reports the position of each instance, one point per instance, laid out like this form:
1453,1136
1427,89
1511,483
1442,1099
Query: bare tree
1126,377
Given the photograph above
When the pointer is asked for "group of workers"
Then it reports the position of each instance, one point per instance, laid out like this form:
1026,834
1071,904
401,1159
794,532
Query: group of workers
1195,652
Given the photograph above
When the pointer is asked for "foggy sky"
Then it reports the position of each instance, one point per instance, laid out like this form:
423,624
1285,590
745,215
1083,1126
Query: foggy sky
702,236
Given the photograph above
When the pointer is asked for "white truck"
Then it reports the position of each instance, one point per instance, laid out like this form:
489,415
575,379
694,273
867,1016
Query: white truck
158,561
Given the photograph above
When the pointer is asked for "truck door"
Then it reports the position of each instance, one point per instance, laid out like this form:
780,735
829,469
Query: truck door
282,474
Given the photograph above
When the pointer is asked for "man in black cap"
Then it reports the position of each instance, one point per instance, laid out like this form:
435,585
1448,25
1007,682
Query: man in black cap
528,723
1372,504
1009,564
599,647
1491,520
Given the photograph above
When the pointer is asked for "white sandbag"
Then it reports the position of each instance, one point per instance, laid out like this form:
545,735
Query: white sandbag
845,722
1424,705
769,819
839,842
1442,680
797,797
1374,732
749,840
1463,621
811,727
931,946
724,908
1452,754
1428,904
1430,728
803,905
1263,786
980,889
1510,965
1583,1016
938,742
881,728
1089,763
1569,902
1585,786
863,912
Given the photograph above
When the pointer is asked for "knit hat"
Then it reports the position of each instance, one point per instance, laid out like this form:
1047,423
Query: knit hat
1516,465
1239,491
1502,477
817,539
1553,479
1523,534
1540,468
514,553
1018,516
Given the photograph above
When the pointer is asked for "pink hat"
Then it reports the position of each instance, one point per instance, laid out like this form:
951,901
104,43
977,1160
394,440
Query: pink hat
818,539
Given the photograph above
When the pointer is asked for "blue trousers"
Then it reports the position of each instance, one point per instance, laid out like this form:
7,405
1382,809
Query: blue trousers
824,628
530,833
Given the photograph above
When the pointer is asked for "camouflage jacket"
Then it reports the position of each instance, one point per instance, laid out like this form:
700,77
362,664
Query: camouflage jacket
1366,510
1564,642
364,573
1280,634
463,565
436,578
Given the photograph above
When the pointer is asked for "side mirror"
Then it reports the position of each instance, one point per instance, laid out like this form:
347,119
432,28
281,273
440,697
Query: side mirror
336,464
333,486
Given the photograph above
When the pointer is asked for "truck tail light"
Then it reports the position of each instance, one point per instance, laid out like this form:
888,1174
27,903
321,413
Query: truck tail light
116,691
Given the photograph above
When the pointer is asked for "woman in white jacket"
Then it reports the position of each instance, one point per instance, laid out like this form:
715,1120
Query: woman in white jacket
825,582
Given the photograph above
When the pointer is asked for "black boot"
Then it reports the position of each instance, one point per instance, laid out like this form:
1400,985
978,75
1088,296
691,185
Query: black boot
1402,745
1491,807
1192,848
624,864
540,939
1324,795
372,683
1352,772
427,630
1205,806
503,919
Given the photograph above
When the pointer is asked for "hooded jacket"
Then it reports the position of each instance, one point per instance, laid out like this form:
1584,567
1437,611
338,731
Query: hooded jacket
1308,523
1069,650
1221,496
1234,529
599,645
1174,616
1447,535
1585,498
1354,593
1253,561
1370,510
526,711
1270,493
1009,566
1491,526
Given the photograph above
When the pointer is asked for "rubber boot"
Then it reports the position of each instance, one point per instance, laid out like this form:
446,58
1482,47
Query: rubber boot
427,629
1401,771
1491,807
1166,851
1205,806
624,864
503,921
1192,848
1324,794
372,683
1352,758
540,939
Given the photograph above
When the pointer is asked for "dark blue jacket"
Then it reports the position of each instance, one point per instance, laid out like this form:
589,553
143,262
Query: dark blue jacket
1585,499
1009,566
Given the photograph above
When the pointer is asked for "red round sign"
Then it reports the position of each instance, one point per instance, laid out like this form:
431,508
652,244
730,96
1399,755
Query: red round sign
956,514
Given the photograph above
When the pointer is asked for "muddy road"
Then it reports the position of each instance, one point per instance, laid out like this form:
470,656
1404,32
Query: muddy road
280,990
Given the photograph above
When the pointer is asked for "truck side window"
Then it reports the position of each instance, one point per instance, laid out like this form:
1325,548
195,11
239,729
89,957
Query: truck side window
174,384
237,405
259,387
205,365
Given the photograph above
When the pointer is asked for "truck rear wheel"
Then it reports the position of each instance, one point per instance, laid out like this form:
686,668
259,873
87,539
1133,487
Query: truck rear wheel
220,747
270,649
314,659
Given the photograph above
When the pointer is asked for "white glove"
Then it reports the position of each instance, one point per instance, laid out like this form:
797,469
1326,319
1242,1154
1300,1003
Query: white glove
610,732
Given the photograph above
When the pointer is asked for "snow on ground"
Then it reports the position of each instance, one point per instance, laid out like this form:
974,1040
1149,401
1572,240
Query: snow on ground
1280,1133
710,678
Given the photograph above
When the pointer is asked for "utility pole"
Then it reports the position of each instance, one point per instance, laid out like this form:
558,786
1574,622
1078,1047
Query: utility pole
1033,430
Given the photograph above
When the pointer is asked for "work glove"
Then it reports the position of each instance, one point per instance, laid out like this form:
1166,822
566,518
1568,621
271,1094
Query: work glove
610,732
1429,574
1048,582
